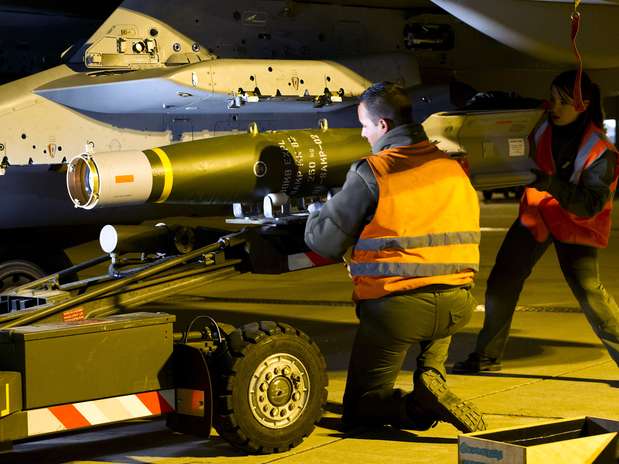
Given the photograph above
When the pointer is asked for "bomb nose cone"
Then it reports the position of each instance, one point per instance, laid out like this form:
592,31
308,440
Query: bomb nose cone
109,179
83,182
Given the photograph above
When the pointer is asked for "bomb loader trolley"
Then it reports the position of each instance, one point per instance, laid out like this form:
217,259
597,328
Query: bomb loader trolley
75,356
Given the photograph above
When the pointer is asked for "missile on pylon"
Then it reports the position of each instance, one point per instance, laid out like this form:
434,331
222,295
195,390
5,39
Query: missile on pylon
220,170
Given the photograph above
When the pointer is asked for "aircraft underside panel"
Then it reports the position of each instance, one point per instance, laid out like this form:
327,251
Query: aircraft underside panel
542,28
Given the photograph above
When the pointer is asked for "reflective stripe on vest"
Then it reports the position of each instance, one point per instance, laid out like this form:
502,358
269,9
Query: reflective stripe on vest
421,241
409,269
583,155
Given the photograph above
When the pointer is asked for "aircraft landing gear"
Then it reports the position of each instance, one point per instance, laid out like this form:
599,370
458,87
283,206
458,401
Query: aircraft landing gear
16,272
20,267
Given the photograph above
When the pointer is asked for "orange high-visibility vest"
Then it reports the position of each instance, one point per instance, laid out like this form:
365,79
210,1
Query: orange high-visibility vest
426,226
541,213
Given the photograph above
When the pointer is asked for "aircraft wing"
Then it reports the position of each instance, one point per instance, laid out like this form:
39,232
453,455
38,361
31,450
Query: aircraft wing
210,87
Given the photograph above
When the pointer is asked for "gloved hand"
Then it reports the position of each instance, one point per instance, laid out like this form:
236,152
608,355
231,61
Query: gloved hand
542,180
316,206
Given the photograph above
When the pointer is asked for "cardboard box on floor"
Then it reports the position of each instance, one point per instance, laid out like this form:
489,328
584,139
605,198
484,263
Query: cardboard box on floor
590,440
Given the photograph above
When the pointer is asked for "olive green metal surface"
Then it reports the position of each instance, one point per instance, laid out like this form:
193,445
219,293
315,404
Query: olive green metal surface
295,162
12,427
10,393
78,361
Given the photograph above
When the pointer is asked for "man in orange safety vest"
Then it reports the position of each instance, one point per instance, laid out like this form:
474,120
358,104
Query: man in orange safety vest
411,216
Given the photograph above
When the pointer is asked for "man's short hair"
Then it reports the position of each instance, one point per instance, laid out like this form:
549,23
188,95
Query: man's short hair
389,101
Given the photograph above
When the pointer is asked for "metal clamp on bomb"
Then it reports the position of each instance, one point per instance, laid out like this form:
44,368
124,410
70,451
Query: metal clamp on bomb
272,201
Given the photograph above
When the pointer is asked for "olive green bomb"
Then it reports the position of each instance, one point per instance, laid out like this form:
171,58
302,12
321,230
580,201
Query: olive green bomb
219,170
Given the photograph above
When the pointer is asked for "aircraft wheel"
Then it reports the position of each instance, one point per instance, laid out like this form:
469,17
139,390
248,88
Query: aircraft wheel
272,388
20,267
16,272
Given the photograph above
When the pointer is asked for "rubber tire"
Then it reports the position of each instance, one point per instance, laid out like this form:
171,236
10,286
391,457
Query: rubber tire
248,346
19,267
33,263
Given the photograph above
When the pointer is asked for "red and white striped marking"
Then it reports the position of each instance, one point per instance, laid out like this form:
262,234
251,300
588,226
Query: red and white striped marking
96,412
307,259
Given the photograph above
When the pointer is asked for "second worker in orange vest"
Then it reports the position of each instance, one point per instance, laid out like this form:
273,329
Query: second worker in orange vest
412,219
569,205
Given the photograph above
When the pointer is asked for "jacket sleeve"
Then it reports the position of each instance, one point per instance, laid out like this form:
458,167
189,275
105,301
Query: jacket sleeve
589,196
337,226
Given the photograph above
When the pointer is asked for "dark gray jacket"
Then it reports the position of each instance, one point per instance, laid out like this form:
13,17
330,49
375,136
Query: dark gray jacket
588,197
337,226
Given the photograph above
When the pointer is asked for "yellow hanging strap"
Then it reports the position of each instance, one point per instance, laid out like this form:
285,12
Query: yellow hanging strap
575,23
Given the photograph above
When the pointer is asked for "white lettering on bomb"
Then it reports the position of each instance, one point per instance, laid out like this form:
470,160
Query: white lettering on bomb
311,166
287,162
316,139
324,165
324,161
298,181
299,172
311,171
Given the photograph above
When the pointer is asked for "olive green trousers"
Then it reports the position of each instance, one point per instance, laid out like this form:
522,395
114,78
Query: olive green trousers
388,327
514,263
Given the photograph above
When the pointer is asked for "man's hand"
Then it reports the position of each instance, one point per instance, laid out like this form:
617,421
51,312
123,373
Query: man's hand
542,180
316,206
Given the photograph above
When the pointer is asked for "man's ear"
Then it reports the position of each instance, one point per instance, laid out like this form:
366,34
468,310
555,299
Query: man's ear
384,125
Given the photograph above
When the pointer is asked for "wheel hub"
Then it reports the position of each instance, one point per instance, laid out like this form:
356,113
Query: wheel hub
279,390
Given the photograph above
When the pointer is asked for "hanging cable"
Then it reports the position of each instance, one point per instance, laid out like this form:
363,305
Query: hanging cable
577,92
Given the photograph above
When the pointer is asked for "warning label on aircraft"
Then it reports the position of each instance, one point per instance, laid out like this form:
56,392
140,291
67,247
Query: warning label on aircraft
516,147
76,314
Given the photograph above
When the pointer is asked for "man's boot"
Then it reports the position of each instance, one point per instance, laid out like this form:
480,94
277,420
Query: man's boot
475,363
378,408
405,420
432,398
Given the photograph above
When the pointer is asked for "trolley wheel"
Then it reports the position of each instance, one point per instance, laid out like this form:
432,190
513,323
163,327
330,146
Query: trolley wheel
271,389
